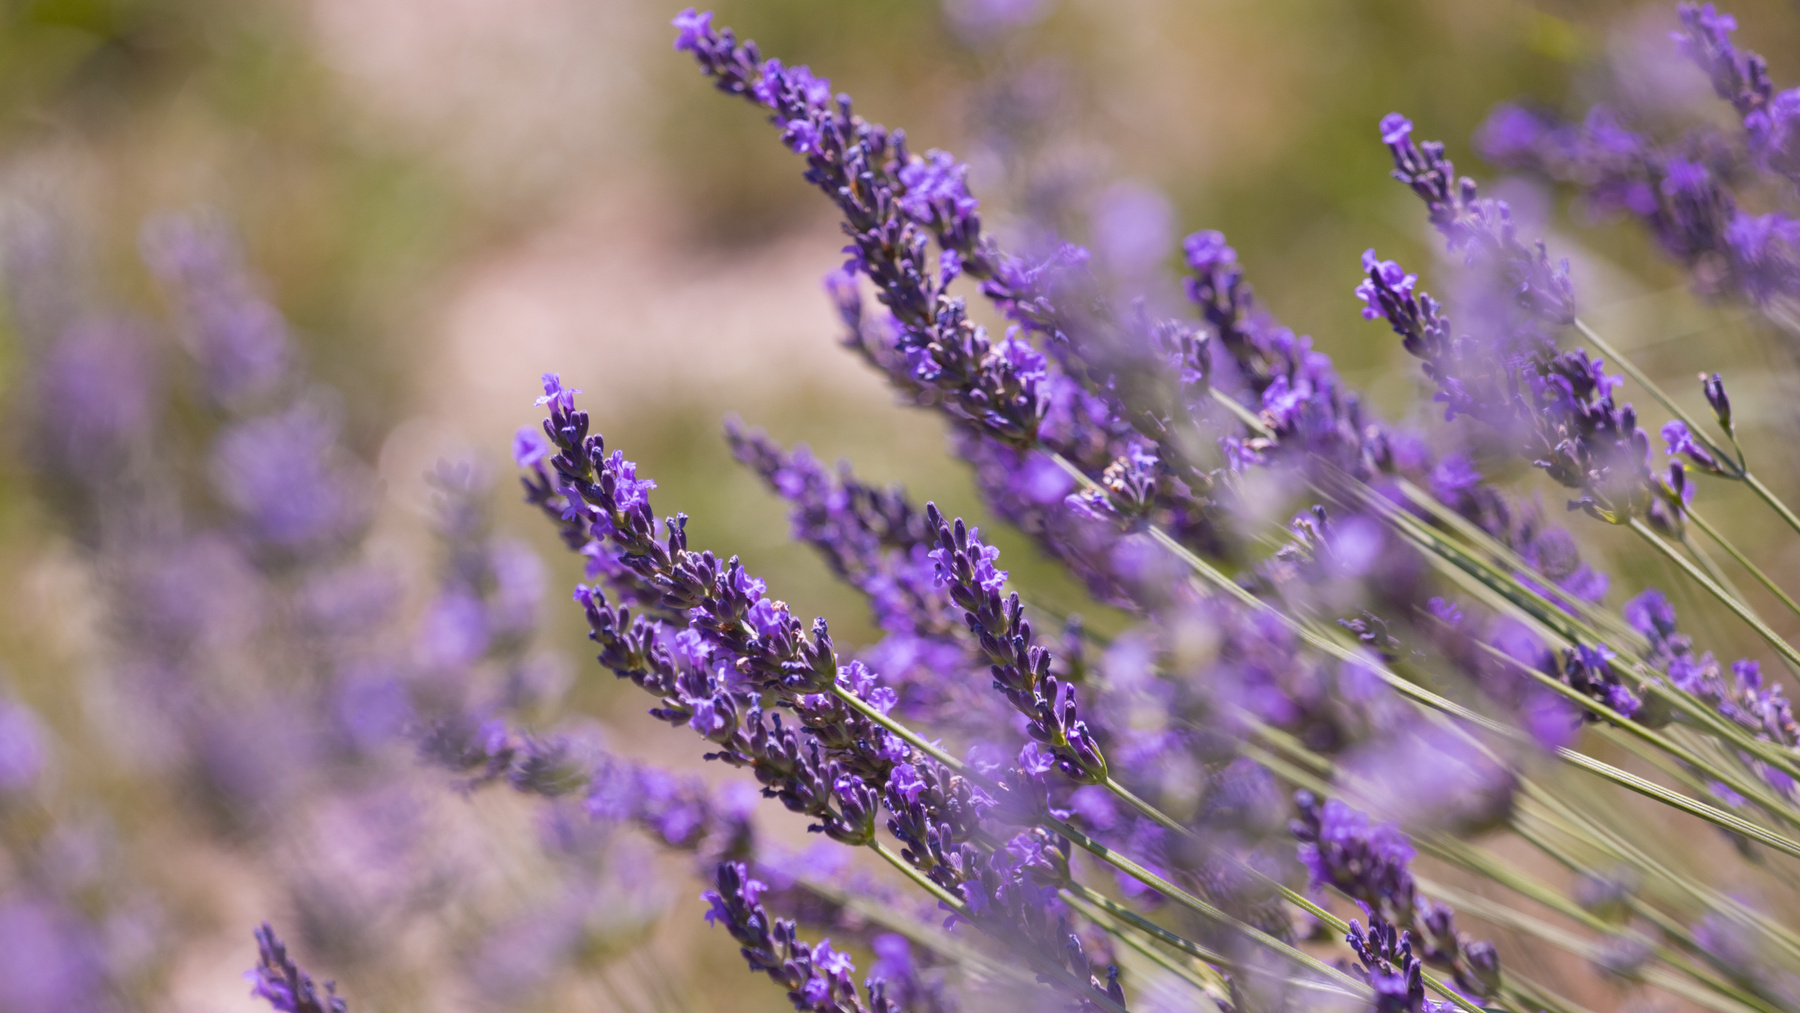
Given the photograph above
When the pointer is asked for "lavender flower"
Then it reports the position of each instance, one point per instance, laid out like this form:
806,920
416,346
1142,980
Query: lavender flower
1744,699
277,980
1390,968
1682,191
22,748
51,957
1371,863
816,976
996,386
726,645
1742,78
1557,406
1021,669
238,339
1539,292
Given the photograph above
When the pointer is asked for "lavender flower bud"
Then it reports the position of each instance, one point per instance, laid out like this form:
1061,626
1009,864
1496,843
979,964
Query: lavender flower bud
1714,387
1705,38
1021,669
277,980
816,976
1371,863
1390,968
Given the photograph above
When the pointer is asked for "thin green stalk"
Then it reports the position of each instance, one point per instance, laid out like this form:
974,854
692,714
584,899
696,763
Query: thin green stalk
1595,617
1588,830
1519,921
1481,863
1682,701
1741,610
1774,502
1618,358
1420,695
1786,763
1523,885
1745,475
1088,844
1115,930
955,904
1244,415
1545,614
950,949
1558,625
1195,904
1528,994
1738,782
1205,957
1743,561
1672,930
1287,893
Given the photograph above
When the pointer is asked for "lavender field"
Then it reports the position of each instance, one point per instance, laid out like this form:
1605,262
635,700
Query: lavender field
963,506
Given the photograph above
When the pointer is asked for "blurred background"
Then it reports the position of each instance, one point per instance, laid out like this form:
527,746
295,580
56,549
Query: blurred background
447,198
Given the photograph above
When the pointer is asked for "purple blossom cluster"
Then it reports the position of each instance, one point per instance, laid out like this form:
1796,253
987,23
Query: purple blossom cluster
1558,406
1695,193
278,981
720,648
1371,863
1746,699
269,664
1388,964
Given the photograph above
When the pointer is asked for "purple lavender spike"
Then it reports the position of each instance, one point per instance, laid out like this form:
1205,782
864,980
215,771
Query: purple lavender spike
1771,119
1371,863
1390,968
1744,698
1557,407
239,340
816,976
726,644
277,980
1021,669
1681,191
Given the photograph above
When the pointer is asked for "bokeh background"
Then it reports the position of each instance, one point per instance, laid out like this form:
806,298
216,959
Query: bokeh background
449,197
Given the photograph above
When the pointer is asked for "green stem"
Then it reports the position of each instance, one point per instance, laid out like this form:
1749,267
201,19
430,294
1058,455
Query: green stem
1583,827
1092,900
1738,608
1420,695
1558,626
1196,905
1117,931
1774,502
1694,428
1518,921
948,948
1544,613
1743,561
1649,385
1089,845
955,904
1481,863
1671,930
1744,785
1528,994
1515,564
1287,893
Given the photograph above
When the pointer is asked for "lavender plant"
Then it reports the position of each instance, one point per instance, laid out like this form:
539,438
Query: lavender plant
1352,723
1412,610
